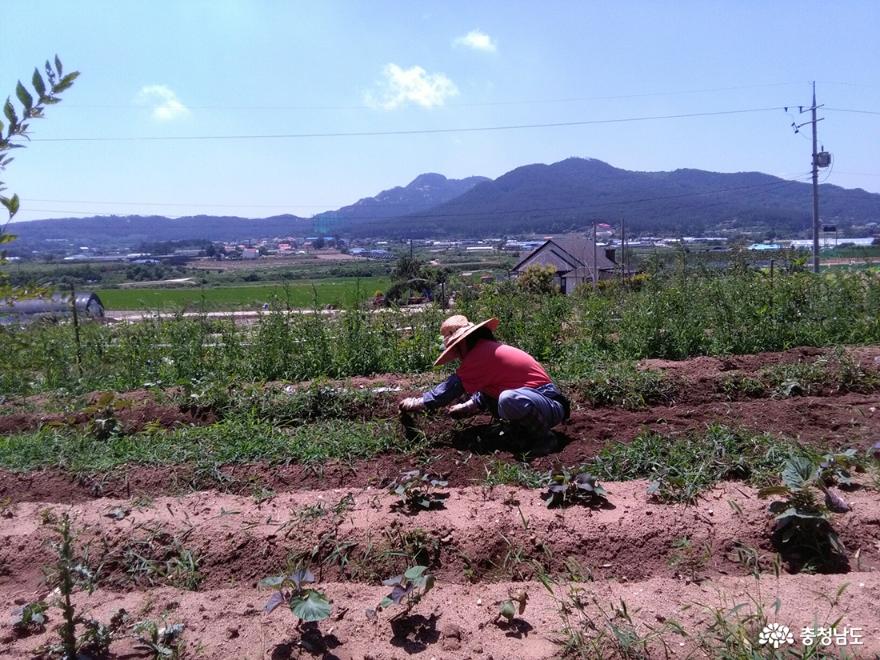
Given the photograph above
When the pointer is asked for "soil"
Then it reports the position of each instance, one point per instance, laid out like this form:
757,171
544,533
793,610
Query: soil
480,545
666,563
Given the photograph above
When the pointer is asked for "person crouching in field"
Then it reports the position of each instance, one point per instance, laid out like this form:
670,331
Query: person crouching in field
503,380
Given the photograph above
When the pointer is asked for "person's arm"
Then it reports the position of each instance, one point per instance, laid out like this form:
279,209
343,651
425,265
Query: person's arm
437,397
444,393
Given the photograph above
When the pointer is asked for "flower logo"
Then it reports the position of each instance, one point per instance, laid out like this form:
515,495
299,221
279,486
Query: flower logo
775,635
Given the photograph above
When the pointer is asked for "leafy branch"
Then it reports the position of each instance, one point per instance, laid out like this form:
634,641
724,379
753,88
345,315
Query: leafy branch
32,108
16,129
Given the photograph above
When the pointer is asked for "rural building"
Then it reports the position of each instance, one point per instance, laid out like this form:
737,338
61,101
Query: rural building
572,256
88,306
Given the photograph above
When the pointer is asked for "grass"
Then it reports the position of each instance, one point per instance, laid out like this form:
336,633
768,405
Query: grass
680,468
228,441
298,294
621,384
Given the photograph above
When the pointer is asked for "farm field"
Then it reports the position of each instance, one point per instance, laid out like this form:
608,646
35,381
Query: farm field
299,293
186,502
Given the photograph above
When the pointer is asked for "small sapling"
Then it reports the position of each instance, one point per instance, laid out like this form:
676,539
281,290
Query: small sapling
306,604
408,589
418,491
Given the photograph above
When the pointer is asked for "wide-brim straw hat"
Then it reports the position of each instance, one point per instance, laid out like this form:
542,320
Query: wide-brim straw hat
457,328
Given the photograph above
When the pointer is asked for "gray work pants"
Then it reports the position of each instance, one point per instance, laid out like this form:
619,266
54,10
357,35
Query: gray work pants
530,409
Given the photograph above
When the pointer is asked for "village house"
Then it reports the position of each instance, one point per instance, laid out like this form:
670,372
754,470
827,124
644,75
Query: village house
572,256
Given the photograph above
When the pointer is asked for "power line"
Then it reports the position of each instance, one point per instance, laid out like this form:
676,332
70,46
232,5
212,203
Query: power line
861,112
423,131
573,99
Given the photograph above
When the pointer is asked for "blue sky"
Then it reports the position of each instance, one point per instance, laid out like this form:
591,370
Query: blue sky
195,69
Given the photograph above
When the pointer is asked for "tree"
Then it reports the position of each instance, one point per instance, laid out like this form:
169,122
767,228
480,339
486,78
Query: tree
538,279
17,130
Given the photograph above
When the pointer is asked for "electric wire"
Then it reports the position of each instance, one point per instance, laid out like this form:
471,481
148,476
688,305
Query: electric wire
574,99
420,131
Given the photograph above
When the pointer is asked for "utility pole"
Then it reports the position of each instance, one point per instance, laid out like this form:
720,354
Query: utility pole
595,262
820,159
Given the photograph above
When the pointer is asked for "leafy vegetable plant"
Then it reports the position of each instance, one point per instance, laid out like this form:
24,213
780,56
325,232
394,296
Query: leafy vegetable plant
408,589
159,642
306,604
29,618
417,491
565,487
802,523
838,468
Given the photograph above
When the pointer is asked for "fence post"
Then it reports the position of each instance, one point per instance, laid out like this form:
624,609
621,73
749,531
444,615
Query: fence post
76,330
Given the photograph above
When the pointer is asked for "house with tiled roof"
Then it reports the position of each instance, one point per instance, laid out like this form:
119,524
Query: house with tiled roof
575,259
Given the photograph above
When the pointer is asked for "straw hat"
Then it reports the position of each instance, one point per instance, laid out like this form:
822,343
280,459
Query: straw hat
456,328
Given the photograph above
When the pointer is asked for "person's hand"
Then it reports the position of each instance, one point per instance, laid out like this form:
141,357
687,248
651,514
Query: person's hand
411,404
462,410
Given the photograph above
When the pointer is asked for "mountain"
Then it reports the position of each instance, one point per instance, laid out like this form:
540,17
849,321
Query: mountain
131,231
533,199
424,192
573,193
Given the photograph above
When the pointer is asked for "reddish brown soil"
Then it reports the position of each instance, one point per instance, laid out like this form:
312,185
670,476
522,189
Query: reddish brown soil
495,537
464,451
483,543
137,414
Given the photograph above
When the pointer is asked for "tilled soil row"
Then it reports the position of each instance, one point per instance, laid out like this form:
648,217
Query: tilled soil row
480,535
464,454
695,381
455,622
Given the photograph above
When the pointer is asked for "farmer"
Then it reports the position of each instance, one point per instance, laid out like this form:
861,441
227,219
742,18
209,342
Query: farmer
501,379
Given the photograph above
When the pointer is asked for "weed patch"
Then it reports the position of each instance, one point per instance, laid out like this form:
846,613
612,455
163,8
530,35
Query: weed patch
681,468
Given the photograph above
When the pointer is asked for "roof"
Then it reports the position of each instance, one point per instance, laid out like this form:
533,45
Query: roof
577,249
58,302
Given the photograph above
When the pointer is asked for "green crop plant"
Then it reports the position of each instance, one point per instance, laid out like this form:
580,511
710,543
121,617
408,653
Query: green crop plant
161,642
802,525
30,618
565,487
418,491
407,589
307,605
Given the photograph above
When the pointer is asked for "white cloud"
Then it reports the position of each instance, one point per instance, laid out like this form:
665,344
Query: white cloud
414,85
166,105
476,40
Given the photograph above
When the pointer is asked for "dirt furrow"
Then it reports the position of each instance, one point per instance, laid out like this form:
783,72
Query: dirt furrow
454,622
479,535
